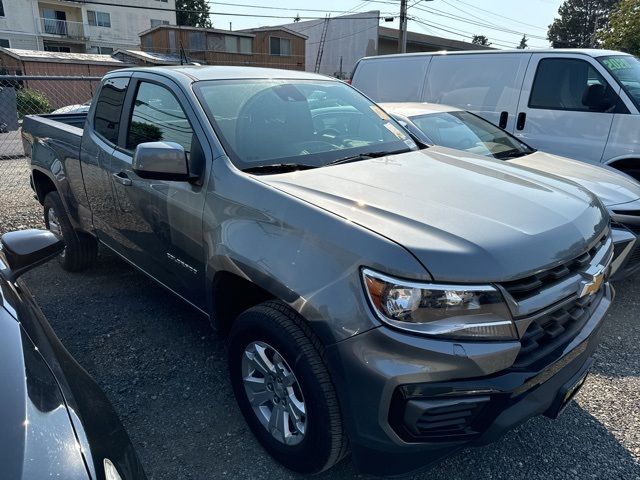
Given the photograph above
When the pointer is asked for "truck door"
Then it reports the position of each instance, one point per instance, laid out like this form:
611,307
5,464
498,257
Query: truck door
157,223
555,113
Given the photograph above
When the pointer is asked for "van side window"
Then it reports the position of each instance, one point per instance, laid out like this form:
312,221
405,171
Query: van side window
568,84
106,120
157,116
391,80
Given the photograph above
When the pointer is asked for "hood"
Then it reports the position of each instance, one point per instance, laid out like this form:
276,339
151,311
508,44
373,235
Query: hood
37,438
609,185
466,218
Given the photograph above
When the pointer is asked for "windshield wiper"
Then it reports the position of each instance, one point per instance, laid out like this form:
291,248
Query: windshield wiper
278,168
514,153
365,156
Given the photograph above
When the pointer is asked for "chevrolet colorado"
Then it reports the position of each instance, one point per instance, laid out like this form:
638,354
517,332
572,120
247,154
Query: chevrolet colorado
375,303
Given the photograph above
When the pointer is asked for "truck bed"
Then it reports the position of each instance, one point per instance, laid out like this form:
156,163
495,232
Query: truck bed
63,127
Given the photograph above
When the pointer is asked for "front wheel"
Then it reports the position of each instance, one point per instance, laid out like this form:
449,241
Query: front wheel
284,390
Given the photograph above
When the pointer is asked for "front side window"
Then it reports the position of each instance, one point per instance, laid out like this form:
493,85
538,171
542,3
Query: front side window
568,84
157,116
1,9
465,131
98,19
279,46
626,70
264,122
106,121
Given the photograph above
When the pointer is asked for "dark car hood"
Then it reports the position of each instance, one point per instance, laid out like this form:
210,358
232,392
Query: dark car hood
37,437
610,186
465,217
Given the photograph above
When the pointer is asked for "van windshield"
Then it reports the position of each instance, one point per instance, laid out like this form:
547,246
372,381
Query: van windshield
270,122
468,132
626,70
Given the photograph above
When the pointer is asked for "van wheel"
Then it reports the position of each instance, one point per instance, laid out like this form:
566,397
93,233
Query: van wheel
80,249
284,390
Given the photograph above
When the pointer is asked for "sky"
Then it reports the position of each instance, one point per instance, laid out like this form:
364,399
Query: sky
503,22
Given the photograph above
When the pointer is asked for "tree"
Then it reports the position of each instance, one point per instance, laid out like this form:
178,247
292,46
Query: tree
523,42
579,22
480,40
623,32
193,13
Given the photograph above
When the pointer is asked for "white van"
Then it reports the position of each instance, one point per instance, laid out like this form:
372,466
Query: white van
583,104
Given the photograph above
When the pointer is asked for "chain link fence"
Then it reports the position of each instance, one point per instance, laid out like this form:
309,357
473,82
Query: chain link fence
30,95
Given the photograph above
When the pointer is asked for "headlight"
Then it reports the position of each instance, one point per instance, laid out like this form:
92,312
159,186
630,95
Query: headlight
473,312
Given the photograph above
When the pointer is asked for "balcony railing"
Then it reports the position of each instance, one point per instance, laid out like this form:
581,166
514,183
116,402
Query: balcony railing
63,28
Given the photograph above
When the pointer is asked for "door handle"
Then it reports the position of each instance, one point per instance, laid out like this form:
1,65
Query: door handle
504,117
122,178
522,118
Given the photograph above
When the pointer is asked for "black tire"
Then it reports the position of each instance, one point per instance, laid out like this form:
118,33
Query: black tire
324,443
81,249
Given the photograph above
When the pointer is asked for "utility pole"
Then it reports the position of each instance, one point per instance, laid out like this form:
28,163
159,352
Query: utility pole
402,34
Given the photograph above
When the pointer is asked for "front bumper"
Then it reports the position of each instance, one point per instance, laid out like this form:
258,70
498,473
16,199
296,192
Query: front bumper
387,379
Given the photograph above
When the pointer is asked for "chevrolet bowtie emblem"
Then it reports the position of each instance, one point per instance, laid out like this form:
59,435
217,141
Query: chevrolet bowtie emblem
592,284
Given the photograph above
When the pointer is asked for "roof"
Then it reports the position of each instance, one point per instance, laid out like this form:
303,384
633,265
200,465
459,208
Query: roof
219,72
152,57
238,33
430,40
592,52
61,57
412,109
274,29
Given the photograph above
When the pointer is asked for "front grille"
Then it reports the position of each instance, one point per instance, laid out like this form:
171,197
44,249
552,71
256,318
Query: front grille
533,284
555,329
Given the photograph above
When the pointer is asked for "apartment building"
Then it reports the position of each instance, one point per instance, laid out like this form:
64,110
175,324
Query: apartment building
275,47
78,27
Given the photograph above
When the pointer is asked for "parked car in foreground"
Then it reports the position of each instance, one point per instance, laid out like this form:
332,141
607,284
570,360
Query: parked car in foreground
397,302
56,422
452,127
578,103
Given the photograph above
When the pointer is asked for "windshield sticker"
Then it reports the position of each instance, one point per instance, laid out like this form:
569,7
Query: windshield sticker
619,63
378,111
395,130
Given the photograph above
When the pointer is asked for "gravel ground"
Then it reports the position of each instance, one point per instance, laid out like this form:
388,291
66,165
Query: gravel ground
18,208
165,372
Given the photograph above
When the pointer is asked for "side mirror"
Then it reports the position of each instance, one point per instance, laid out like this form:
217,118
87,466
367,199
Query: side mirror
23,250
161,161
595,98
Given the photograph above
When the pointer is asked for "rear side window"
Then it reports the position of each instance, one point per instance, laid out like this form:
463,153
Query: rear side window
562,83
106,120
391,79
157,116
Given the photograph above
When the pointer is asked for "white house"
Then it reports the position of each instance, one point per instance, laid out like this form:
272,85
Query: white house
64,26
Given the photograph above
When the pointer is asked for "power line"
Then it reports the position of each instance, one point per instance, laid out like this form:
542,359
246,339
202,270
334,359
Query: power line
498,15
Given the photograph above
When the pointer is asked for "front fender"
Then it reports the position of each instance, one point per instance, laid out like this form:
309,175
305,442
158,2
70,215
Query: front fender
301,254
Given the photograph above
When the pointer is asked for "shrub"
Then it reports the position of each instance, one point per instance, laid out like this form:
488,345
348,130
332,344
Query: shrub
32,102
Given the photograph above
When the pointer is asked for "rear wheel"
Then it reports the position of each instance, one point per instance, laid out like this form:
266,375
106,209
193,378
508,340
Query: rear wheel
284,390
80,249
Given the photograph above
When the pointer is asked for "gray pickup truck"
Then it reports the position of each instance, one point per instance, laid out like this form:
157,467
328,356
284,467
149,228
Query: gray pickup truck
375,303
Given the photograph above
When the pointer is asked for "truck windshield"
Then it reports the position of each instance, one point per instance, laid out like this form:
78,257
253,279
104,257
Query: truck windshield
626,70
465,131
297,122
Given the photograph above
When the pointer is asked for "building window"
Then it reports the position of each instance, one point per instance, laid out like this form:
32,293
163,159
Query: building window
4,43
1,9
100,50
56,48
163,1
229,43
155,23
99,19
280,46
197,41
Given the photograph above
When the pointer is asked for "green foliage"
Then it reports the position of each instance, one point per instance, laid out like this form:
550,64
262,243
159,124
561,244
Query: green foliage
142,132
480,40
623,32
523,42
579,22
195,13
32,102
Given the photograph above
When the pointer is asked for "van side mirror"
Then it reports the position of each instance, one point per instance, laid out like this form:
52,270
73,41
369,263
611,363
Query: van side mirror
595,98
161,161
22,250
